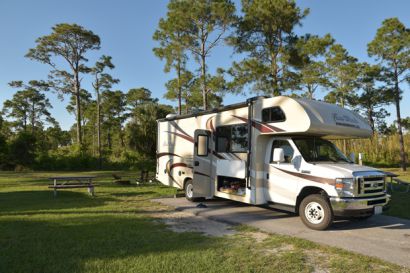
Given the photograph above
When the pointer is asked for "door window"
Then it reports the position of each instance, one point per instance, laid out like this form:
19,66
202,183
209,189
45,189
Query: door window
287,149
202,145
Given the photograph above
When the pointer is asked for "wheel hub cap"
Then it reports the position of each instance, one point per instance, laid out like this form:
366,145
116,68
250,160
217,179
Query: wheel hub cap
314,213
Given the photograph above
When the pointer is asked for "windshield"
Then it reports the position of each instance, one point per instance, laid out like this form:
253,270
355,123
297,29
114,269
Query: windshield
314,149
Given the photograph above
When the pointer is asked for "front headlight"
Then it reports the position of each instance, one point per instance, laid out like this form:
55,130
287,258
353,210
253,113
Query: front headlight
345,186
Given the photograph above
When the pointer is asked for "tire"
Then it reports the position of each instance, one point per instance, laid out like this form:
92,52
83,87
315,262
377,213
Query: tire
189,191
316,212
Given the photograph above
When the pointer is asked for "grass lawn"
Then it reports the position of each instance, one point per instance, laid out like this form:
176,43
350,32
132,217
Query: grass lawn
115,232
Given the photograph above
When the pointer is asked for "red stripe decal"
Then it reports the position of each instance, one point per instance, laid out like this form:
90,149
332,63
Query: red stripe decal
164,154
179,165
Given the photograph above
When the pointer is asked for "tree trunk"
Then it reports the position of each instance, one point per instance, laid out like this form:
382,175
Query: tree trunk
122,141
274,72
33,117
310,92
186,105
399,125
98,127
78,106
370,118
109,138
203,70
342,103
204,95
25,123
179,87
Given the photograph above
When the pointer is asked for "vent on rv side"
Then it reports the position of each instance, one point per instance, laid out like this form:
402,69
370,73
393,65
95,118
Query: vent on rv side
273,114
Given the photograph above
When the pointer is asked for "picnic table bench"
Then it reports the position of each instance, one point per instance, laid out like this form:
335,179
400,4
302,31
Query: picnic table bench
66,182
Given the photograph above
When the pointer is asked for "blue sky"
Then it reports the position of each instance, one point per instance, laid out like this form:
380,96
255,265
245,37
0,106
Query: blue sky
126,29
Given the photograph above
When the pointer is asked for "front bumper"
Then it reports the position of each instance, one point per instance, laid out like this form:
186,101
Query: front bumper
357,206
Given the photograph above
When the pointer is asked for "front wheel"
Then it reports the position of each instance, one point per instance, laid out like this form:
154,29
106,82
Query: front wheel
189,191
316,212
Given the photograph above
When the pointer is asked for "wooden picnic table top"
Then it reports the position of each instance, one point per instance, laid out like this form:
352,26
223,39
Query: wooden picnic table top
71,177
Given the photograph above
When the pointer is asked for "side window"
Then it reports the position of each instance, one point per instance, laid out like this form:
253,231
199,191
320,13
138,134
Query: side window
273,114
202,145
233,138
287,149
239,138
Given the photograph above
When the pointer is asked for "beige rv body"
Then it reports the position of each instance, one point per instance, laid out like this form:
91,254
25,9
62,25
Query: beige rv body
266,182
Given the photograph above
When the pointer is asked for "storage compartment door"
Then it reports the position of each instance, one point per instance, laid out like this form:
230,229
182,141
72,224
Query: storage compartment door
202,164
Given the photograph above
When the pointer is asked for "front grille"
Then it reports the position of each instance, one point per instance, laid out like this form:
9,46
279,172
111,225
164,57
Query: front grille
370,185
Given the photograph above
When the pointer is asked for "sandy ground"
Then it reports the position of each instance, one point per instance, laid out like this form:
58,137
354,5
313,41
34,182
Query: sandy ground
180,221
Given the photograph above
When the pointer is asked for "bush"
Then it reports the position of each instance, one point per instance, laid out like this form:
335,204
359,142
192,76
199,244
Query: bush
72,159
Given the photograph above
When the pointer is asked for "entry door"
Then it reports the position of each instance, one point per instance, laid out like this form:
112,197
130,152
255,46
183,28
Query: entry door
283,177
202,164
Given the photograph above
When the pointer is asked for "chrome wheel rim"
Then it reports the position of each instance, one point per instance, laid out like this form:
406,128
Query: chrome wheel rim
189,191
314,213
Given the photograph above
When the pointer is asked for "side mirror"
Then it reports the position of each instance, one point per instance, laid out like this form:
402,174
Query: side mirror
278,155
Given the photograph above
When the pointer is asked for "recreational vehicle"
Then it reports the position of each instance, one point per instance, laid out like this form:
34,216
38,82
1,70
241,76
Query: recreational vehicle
272,151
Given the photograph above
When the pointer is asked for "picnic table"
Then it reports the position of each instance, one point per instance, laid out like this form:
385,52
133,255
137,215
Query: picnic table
393,177
71,182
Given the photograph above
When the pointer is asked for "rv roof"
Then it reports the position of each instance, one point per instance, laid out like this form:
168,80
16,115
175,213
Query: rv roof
214,110
303,116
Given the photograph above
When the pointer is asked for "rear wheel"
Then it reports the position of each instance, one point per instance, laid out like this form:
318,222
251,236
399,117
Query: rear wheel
316,212
189,191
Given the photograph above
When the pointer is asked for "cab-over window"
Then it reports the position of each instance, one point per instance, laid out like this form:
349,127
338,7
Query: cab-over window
273,114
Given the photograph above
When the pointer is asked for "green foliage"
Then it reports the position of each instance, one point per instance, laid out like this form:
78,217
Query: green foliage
265,34
173,38
22,149
142,130
343,73
312,70
371,100
138,96
29,106
71,42
197,26
391,46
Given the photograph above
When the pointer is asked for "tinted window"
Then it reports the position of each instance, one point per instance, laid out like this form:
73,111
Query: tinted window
315,149
273,114
223,134
287,149
232,138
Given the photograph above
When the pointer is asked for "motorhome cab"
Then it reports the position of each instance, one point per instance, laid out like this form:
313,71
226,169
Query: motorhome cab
272,151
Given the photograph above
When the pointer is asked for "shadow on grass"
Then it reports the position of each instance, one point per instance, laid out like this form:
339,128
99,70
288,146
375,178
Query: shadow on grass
70,243
20,201
132,194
